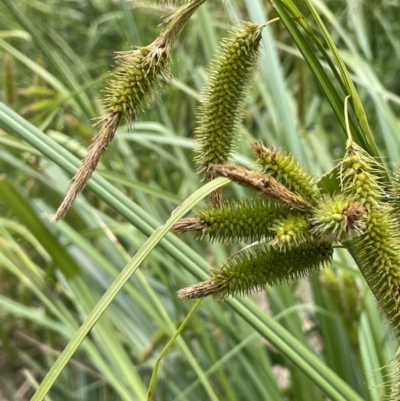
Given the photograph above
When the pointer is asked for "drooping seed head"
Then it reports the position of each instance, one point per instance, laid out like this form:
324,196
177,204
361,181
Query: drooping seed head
136,74
139,72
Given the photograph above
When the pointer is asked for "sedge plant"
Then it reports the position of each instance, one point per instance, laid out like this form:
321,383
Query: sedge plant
294,220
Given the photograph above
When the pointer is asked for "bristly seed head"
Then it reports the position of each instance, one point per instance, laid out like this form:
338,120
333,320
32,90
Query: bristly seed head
338,219
136,73
287,170
377,251
258,266
290,231
245,220
221,109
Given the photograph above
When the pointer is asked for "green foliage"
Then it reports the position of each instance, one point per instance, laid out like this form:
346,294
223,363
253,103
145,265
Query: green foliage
326,334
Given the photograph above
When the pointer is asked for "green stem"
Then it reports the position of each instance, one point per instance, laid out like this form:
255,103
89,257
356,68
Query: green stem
153,379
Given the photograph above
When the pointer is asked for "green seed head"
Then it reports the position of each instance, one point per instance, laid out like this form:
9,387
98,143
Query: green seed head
139,72
132,87
290,231
377,253
393,383
377,250
361,176
257,266
337,219
221,109
395,195
287,170
247,220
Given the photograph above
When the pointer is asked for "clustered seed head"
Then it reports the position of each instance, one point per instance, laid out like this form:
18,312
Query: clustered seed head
290,231
338,219
361,176
286,169
377,251
261,265
220,111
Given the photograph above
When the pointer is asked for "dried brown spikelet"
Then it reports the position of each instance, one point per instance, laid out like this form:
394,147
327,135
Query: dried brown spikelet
266,185
101,142
189,224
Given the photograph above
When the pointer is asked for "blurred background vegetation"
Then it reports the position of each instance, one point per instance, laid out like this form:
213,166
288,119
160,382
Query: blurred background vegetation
55,56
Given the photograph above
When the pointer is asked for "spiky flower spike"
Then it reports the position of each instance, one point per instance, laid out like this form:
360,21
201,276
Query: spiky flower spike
132,88
260,183
377,251
220,111
290,231
258,266
395,195
338,219
287,170
247,220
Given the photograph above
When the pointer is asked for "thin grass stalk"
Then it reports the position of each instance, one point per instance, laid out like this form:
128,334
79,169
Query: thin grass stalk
179,330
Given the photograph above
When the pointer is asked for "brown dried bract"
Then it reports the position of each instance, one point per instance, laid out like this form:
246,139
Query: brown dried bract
260,183
101,142
353,214
188,224
216,196
199,290
261,151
